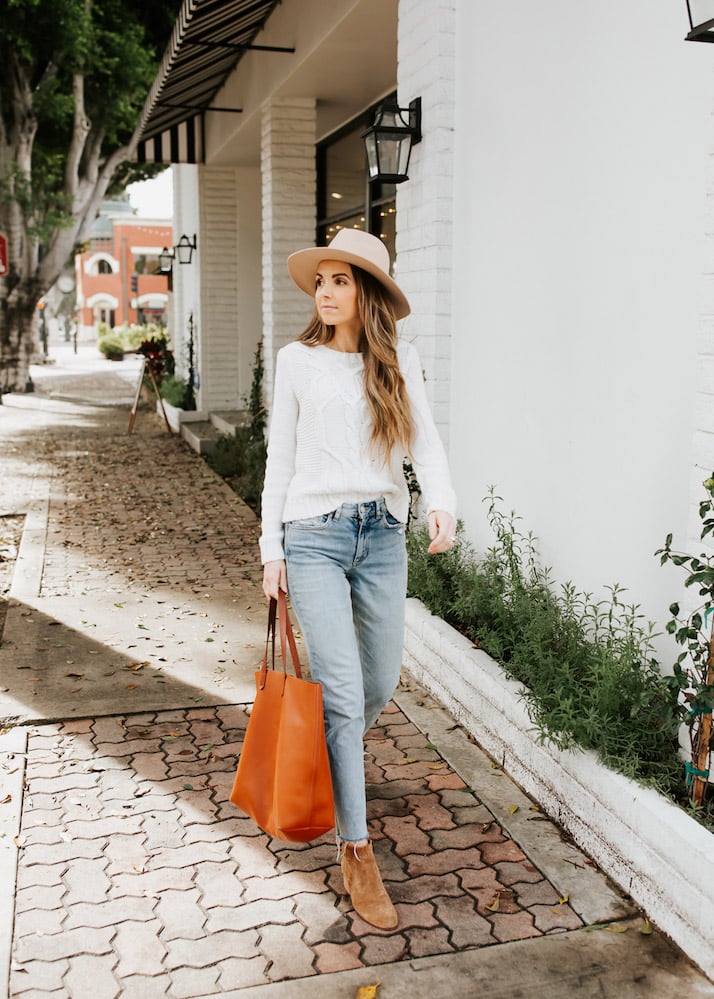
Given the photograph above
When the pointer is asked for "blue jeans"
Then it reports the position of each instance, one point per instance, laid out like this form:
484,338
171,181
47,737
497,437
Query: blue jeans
347,578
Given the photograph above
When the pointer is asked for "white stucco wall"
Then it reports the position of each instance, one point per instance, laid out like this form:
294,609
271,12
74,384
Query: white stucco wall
581,150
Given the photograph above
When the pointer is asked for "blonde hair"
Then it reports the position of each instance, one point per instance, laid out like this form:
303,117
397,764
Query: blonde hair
384,387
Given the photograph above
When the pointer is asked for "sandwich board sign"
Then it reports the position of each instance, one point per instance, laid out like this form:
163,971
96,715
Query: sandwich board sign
3,255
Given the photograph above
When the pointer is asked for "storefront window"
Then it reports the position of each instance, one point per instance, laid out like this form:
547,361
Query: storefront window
345,197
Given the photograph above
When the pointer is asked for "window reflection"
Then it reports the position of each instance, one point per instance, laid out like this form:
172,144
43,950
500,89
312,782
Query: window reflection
345,197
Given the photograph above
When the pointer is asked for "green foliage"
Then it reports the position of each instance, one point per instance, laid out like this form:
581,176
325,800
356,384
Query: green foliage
45,46
240,457
176,391
258,412
111,345
587,667
693,678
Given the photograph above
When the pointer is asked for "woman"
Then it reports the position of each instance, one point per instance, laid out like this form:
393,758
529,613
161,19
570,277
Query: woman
349,405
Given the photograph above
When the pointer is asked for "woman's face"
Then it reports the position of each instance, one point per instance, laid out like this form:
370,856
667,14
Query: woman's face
336,293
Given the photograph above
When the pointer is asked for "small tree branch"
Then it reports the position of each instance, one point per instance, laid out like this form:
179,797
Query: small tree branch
80,130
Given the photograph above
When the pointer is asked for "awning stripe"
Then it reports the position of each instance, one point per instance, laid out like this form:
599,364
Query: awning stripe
191,74
178,144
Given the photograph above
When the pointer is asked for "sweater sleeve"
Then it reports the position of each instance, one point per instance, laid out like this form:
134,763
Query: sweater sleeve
280,464
427,454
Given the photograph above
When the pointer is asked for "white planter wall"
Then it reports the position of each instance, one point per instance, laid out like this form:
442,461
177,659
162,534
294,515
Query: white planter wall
648,846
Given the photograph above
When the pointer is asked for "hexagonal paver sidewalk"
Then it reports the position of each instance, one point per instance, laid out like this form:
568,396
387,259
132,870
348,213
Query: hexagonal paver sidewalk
137,877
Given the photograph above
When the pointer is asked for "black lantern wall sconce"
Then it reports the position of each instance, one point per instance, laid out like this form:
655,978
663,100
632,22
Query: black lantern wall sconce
701,24
390,139
183,252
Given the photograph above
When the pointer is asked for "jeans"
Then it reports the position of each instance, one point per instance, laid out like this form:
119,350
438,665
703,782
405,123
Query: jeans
347,578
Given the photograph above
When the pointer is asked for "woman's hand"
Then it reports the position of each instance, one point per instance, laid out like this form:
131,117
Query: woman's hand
275,577
442,531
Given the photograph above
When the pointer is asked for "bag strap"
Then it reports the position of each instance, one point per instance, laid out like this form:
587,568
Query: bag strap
286,633
279,609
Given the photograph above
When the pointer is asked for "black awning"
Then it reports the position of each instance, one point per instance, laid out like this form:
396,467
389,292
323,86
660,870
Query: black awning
208,41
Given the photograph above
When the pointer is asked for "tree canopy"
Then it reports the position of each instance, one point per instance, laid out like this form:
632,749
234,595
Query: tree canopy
74,75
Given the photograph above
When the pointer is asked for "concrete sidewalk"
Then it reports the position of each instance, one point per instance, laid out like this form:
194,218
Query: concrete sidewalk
134,624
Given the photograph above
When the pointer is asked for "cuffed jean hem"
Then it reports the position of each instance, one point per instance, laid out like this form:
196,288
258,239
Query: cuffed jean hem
347,581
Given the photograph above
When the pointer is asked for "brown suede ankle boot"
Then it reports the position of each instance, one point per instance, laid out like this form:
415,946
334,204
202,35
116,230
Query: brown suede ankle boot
364,885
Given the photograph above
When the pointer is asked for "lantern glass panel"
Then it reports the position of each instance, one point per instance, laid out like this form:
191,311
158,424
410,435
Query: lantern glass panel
370,143
184,251
389,152
393,153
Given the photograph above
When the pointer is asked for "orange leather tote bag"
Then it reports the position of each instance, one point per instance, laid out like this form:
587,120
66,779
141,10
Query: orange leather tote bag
283,777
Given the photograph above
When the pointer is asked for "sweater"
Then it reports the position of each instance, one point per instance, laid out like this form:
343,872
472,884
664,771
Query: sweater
319,454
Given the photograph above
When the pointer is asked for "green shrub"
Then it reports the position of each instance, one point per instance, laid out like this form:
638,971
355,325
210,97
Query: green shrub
587,667
177,392
110,345
239,458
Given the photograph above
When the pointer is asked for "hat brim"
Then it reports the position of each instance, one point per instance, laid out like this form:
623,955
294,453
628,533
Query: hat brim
303,265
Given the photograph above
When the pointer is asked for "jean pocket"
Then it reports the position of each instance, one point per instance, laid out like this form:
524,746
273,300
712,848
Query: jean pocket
391,521
311,523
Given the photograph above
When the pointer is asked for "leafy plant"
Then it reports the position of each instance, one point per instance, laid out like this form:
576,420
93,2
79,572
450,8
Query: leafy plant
589,676
175,391
111,346
240,457
693,677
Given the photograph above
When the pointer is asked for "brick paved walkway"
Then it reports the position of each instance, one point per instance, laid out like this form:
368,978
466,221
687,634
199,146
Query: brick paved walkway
135,875
138,878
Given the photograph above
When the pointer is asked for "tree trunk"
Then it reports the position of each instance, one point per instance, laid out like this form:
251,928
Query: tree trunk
17,339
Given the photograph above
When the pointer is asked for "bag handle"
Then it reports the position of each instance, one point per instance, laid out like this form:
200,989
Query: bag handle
279,608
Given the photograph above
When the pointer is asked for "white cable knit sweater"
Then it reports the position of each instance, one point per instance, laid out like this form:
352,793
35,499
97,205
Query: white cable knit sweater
318,445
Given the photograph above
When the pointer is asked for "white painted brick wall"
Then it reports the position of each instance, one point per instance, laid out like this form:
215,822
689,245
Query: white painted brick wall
703,444
289,212
219,352
425,205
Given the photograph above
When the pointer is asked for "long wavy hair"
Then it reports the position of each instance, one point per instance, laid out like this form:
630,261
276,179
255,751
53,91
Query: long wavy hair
384,388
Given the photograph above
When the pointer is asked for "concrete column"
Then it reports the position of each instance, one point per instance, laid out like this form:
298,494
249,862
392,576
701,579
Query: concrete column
289,213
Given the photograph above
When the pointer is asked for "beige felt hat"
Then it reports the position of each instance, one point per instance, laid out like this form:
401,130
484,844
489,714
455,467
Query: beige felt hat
354,247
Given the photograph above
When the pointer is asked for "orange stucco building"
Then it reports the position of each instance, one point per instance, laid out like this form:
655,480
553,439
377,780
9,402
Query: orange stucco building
117,275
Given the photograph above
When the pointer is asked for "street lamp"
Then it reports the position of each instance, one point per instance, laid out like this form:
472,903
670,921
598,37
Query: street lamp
183,252
701,22
184,249
166,260
390,139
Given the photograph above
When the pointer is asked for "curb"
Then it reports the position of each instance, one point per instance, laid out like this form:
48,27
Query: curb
13,759
27,574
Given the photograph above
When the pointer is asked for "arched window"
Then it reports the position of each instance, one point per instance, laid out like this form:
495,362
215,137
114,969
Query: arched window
104,267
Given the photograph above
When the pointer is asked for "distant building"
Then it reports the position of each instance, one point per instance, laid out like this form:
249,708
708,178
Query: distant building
118,279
